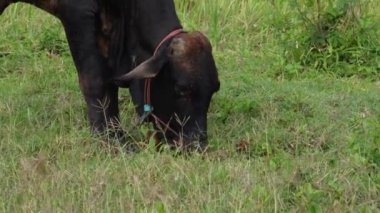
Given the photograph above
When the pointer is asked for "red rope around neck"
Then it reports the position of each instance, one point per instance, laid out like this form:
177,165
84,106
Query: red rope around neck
148,109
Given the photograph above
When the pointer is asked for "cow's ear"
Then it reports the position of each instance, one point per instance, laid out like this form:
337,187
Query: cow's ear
148,69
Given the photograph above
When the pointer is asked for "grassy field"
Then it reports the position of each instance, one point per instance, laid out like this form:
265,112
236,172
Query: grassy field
310,137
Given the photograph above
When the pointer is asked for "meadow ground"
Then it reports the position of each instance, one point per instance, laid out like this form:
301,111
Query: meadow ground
313,138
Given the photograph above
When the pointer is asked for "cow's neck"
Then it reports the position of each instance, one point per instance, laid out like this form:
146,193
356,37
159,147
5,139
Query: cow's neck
152,21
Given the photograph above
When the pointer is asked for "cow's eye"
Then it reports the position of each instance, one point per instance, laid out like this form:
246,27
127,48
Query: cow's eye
182,90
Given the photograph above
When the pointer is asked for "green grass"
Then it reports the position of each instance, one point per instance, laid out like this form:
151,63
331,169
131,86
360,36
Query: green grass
313,138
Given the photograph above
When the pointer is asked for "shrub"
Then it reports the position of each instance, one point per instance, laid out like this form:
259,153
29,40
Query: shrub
338,36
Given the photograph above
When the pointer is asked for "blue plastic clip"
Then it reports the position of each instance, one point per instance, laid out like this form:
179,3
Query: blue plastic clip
148,108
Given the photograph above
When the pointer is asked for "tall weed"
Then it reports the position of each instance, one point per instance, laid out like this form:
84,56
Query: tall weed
336,36
292,38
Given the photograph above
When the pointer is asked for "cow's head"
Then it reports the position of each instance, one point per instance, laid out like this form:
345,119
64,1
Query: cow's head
184,79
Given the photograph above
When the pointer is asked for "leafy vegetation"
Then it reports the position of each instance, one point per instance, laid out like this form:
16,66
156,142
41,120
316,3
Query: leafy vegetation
339,36
295,126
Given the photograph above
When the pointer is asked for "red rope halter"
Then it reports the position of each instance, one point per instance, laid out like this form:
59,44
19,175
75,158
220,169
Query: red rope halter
148,109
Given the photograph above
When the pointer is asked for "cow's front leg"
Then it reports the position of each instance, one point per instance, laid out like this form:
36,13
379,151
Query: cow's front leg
101,95
102,102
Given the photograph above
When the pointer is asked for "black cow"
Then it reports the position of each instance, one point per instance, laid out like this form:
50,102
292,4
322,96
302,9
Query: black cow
112,44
